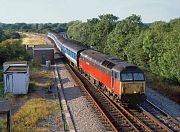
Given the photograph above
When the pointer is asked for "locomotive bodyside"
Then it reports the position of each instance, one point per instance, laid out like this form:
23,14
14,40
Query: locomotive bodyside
113,73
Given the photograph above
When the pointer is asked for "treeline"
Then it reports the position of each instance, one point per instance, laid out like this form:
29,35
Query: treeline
11,47
10,43
8,34
36,27
154,47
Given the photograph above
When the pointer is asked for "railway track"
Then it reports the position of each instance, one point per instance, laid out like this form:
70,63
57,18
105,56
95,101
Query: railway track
142,117
152,123
121,119
116,117
116,120
163,117
105,121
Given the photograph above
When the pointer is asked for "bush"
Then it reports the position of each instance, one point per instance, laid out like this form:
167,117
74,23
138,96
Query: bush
9,96
2,124
32,86
35,64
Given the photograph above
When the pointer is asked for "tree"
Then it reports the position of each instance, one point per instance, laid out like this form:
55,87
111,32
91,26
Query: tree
121,37
153,44
12,49
135,53
1,35
169,61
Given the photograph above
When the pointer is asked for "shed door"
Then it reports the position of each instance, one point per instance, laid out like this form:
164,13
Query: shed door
44,59
9,82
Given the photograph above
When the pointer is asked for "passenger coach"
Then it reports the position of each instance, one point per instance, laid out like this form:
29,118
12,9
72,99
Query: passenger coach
67,47
72,51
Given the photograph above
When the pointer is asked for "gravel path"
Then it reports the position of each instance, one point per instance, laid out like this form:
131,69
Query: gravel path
83,115
164,103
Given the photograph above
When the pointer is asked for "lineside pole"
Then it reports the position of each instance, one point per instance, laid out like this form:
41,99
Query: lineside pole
9,121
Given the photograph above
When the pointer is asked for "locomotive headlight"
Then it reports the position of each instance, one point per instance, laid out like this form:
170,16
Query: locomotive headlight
141,89
135,92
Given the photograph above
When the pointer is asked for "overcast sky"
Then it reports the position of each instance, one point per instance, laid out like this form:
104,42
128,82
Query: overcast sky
43,11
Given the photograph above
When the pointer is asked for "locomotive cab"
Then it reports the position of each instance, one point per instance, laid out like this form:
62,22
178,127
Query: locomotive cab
132,86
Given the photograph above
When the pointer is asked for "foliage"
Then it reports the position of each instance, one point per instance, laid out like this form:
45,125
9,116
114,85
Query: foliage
8,34
9,96
122,36
35,65
2,95
93,33
154,46
36,27
2,124
32,87
11,49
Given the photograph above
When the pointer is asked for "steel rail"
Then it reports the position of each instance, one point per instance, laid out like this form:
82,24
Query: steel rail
120,122
161,116
91,99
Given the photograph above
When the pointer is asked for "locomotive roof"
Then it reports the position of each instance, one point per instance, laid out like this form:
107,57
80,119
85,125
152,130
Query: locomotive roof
94,55
125,66
107,61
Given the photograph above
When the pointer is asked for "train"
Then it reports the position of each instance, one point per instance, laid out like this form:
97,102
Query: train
122,80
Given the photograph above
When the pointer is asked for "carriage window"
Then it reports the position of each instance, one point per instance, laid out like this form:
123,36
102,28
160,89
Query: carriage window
138,76
126,77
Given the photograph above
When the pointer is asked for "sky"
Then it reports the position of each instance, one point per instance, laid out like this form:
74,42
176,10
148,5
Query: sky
52,11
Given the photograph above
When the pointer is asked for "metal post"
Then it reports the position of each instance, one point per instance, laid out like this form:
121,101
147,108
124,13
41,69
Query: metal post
6,108
8,121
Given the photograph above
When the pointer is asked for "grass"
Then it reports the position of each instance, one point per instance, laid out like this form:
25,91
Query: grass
157,83
2,124
40,77
39,108
56,107
9,96
32,39
31,113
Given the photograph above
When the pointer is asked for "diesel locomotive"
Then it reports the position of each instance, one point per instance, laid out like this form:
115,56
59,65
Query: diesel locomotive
124,81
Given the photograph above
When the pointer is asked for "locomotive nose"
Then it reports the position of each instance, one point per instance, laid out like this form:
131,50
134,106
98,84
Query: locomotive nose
135,87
